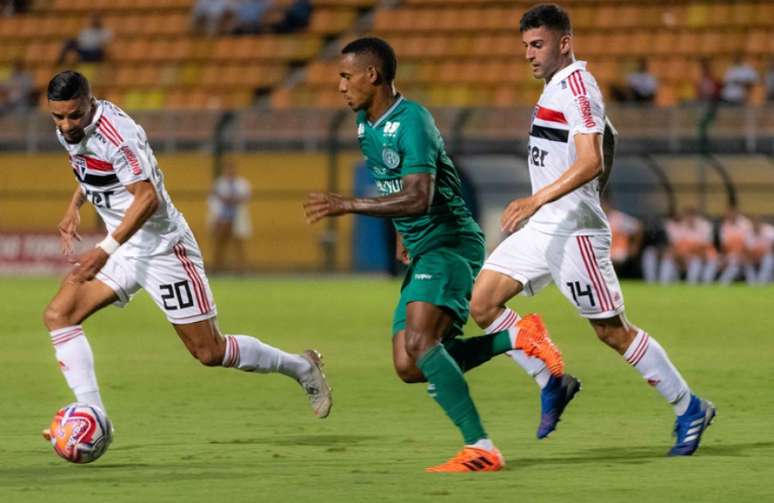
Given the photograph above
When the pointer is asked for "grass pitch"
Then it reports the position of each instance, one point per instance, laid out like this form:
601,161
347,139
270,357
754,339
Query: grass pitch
193,434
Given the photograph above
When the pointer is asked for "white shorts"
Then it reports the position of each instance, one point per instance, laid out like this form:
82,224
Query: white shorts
579,266
175,280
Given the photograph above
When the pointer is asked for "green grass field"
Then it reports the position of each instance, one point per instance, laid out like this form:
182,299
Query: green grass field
193,434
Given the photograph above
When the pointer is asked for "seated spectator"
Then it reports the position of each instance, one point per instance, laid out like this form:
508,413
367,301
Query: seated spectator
738,81
91,44
251,16
690,249
627,238
213,17
17,93
733,235
296,17
642,85
759,248
11,7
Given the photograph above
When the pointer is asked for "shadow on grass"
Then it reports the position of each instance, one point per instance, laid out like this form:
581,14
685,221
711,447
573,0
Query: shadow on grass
637,455
321,440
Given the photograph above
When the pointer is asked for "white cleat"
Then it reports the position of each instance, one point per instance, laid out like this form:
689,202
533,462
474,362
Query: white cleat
316,385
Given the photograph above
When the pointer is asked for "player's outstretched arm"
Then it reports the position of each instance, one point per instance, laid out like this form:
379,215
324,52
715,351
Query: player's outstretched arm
143,206
68,226
587,166
412,200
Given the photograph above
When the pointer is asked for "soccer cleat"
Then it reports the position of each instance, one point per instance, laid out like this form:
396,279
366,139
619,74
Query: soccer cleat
46,434
553,399
690,426
533,339
471,459
316,385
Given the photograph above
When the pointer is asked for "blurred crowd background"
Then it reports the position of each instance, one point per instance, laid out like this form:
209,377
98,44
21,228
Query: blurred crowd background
239,99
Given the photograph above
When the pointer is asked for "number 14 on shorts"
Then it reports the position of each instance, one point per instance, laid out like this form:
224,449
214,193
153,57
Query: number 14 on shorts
577,290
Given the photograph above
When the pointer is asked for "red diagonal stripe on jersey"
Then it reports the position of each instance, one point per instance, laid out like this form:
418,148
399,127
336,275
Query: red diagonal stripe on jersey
98,165
547,114
109,126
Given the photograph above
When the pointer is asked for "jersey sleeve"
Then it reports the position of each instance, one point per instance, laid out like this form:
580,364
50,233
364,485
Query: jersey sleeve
129,160
419,144
584,108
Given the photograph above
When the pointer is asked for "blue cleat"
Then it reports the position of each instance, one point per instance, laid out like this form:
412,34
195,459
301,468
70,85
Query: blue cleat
690,426
553,399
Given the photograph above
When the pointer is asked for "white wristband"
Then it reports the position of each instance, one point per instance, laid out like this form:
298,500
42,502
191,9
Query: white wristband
109,244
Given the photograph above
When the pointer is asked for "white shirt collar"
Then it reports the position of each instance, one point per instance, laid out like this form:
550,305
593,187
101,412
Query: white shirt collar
388,112
567,71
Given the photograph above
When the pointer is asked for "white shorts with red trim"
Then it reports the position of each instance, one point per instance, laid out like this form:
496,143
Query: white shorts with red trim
175,280
579,266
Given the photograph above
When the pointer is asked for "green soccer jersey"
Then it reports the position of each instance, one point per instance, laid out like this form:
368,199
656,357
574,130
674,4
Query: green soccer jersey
404,141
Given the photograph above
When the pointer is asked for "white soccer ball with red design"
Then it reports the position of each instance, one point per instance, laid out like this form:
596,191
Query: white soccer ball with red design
81,433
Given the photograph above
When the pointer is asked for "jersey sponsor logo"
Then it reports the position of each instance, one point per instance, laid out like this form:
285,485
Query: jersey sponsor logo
391,128
360,130
132,160
387,187
585,109
391,158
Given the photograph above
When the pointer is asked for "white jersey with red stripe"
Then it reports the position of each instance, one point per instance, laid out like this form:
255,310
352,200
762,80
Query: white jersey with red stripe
571,103
113,154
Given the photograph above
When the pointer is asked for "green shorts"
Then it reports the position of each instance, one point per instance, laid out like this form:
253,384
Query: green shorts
442,277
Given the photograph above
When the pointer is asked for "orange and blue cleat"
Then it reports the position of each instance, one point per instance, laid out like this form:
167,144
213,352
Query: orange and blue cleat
533,339
471,459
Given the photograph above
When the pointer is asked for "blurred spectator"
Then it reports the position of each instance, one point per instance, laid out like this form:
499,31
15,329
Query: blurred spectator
768,81
627,239
708,91
11,7
296,17
739,80
734,231
690,249
229,218
642,85
17,93
251,16
91,43
213,17
759,267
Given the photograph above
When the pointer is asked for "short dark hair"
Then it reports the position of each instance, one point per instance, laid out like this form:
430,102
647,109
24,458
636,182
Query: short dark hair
379,48
68,85
549,15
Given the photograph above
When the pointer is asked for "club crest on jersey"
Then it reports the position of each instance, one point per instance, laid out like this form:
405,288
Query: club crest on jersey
79,165
390,157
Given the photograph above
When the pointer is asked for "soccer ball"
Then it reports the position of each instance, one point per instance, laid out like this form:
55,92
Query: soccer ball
81,433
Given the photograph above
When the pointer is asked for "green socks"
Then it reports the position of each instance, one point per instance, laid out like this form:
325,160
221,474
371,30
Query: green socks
451,392
471,352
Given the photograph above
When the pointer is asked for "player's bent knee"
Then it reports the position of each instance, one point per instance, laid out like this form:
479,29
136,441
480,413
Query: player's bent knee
208,357
417,344
482,312
55,317
410,375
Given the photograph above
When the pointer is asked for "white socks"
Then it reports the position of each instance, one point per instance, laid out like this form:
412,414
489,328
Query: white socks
533,366
647,356
251,355
77,364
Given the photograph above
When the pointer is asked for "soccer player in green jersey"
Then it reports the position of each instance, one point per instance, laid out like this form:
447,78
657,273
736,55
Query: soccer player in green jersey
443,246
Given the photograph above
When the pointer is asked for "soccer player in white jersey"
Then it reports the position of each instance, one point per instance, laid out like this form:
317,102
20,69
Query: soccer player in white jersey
561,235
148,245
